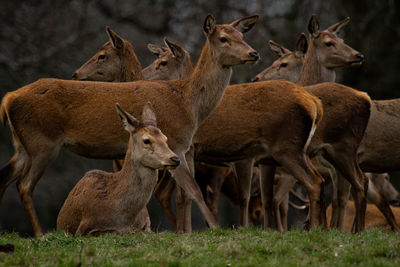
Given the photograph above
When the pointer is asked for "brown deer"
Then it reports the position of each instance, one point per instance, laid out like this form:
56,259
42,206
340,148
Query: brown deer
327,47
116,61
372,157
51,114
103,202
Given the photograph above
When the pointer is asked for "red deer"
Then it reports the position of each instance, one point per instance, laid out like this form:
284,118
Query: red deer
373,156
51,114
103,202
325,52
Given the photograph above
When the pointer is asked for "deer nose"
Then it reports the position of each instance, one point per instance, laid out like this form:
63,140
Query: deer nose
254,55
258,212
74,75
360,56
175,160
255,79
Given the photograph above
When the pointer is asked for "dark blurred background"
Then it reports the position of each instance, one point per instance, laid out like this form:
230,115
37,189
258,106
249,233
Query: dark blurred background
52,38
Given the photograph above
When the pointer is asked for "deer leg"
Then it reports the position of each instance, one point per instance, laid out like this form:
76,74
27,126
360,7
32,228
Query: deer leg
14,167
32,172
163,193
349,168
244,171
282,188
184,179
213,189
339,202
283,208
183,201
267,192
299,165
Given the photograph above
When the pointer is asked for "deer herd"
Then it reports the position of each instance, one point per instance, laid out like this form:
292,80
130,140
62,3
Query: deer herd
184,128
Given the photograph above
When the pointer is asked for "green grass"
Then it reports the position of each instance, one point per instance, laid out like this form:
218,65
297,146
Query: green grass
220,247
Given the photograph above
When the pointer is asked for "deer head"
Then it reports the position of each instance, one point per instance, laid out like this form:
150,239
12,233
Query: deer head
173,62
384,187
148,145
331,50
114,62
226,41
289,64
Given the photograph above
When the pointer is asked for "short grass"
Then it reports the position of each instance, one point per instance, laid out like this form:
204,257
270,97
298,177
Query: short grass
220,247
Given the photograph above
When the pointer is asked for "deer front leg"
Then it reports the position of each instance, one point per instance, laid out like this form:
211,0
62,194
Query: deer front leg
185,180
163,193
244,171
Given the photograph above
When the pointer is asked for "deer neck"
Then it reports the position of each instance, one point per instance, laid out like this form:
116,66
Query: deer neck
206,84
313,72
135,176
131,69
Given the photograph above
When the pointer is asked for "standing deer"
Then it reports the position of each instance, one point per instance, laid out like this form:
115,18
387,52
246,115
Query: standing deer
325,52
51,114
103,202
380,117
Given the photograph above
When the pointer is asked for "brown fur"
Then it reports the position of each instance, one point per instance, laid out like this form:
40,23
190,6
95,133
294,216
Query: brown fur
50,113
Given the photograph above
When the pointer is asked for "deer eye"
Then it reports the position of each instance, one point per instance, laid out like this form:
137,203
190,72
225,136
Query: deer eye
223,39
102,56
328,44
147,141
283,64
163,63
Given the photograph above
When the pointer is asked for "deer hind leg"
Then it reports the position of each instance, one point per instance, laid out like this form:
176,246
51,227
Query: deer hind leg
184,179
300,166
282,188
267,173
12,170
163,193
346,163
340,196
244,172
33,170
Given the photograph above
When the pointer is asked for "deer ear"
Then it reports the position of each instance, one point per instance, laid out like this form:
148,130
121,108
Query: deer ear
337,27
301,45
246,23
131,124
313,26
176,49
148,115
157,50
278,49
116,41
209,25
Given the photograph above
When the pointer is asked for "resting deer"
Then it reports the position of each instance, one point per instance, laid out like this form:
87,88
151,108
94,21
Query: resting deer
369,152
51,114
332,52
103,202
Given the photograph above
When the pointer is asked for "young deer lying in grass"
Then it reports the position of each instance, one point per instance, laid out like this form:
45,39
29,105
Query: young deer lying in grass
103,202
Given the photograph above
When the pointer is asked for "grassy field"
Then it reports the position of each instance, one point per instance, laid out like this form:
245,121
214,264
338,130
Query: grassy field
221,247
